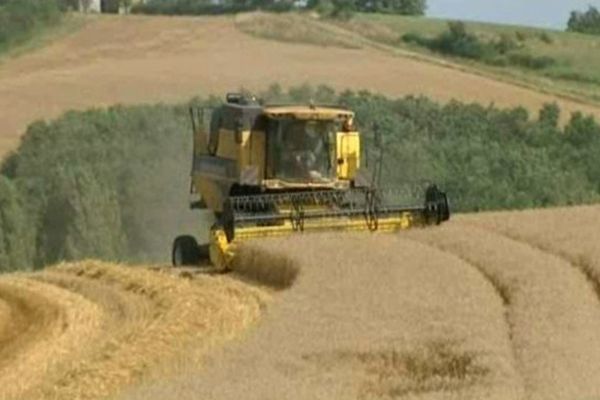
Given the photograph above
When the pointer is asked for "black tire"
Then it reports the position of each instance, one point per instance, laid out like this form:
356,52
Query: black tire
444,208
436,205
204,252
227,220
186,252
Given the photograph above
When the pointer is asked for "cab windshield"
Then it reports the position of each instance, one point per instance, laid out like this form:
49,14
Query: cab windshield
301,150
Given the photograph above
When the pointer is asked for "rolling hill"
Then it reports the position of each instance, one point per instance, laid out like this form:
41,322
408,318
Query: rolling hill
574,71
137,59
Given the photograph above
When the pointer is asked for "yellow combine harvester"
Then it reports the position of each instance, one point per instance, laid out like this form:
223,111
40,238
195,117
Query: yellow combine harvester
274,170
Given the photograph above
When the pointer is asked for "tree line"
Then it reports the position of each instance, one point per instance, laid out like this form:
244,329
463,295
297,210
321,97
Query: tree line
327,7
501,51
585,22
113,183
20,19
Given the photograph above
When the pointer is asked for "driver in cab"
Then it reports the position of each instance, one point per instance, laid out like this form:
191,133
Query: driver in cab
304,154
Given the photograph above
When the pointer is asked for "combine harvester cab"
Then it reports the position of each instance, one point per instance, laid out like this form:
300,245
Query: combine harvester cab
275,170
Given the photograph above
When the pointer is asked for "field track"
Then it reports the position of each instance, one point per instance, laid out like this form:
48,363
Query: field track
496,306
148,59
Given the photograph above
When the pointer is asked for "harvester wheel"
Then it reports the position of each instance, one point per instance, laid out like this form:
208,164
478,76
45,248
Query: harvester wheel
372,210
186,252
437,207
227,220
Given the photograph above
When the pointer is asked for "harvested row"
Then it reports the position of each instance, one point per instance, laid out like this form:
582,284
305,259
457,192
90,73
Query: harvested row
489,306
42,324
571,233
553,310
362,316
120,324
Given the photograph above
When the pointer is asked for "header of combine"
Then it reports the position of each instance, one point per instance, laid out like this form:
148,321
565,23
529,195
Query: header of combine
278,169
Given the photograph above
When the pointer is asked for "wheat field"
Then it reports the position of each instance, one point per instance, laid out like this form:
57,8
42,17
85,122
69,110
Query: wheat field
85,330
490,306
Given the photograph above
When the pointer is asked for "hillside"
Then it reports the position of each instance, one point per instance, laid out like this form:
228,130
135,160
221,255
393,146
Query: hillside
572,59
147,59
575,67
496,306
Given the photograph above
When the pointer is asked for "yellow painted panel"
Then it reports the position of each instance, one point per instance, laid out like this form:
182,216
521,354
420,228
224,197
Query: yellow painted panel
222,253
211,193
258,152
348,154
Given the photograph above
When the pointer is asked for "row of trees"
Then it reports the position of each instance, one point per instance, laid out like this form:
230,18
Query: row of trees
501,51
346,7
327,7
585,22
20,19
106,184
207,7
404,7
113,183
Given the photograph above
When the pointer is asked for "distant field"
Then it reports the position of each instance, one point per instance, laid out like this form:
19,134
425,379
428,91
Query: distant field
575,73
577,70
133,59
